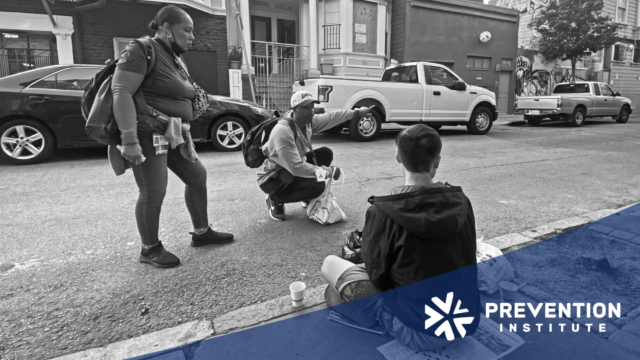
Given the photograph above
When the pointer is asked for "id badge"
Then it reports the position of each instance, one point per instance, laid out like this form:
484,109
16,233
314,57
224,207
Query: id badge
160,144
158,140
320,175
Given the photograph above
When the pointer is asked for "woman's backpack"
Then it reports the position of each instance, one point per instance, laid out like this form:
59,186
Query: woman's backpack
97,100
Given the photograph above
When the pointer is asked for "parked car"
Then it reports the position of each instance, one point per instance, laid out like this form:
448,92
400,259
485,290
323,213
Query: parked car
40,111
410,93
574,102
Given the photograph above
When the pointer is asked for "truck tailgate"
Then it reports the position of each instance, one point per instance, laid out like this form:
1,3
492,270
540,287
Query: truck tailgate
537,102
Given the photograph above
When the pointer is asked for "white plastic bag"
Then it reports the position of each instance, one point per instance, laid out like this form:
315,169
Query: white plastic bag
492,267
324,209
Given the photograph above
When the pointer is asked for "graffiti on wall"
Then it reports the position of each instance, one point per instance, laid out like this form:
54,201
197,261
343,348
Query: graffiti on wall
530,11
530,39
537,77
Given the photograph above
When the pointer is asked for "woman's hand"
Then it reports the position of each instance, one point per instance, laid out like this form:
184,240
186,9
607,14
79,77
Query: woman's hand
132,153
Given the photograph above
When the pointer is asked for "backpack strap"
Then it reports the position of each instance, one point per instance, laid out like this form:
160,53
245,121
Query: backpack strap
149,52
292,125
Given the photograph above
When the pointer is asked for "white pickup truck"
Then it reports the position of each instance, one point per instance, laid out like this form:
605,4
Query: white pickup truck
409,93
574,102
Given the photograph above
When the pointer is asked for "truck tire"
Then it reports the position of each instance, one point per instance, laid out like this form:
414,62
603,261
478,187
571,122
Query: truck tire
623,116
25,142
577,118
366,128
532,120
480,122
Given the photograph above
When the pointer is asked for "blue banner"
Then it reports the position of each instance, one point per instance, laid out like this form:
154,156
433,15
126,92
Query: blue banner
573,296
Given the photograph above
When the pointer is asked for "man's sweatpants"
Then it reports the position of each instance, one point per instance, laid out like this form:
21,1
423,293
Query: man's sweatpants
284,188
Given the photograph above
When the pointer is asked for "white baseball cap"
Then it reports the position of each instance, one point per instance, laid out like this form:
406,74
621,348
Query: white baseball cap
302,97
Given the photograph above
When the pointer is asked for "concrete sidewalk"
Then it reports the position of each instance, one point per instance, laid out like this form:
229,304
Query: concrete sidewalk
624,226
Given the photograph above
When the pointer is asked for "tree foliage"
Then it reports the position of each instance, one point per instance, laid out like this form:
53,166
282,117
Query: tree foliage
574,29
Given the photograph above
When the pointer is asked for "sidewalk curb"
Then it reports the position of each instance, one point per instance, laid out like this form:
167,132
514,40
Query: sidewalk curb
281,308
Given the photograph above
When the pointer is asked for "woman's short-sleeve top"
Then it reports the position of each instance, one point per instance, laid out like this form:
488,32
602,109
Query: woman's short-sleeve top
165,88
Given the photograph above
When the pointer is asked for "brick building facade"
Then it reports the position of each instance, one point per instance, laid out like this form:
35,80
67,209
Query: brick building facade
92,34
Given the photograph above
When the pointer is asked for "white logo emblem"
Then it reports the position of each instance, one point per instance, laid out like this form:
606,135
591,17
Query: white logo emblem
445,327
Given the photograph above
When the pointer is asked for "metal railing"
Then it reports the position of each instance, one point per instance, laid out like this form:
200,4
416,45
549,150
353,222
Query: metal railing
13,64
277,67
331,37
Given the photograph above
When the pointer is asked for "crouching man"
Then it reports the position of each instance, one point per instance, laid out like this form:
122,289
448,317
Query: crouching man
423,230
293,169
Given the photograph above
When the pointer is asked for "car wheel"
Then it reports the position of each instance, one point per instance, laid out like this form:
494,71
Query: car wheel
366,128
228,133
533,121
25,141
480,122
334,130
577,118
623,117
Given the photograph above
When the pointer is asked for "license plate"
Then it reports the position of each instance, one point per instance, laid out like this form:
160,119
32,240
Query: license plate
534,112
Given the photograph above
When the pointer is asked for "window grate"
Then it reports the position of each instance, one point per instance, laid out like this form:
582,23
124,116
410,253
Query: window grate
331,37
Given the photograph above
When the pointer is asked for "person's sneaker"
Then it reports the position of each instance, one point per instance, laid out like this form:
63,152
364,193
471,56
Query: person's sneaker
210,237
305,204
276,211
158,257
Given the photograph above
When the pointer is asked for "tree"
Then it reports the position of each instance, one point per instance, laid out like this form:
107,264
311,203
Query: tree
574,29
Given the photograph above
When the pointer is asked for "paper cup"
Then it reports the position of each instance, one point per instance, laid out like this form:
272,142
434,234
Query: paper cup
508,290
297,293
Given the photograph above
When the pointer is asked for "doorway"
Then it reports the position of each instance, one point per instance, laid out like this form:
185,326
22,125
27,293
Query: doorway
503,92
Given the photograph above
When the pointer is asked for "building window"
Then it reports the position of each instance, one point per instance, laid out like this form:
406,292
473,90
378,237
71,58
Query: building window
621,11
619,52
506,63
22,51
636,55
476,62
331,36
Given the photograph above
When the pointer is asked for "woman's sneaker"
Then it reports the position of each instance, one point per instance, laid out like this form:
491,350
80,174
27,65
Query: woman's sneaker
210,237
276,211
158,257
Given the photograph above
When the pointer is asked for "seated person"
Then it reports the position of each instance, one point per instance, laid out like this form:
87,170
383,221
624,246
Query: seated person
422,230
289,173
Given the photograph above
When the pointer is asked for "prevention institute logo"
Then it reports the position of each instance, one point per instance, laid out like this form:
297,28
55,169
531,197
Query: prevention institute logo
445,327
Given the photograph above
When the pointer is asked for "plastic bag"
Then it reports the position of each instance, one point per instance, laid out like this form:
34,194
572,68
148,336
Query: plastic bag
492,267
324,209
352,246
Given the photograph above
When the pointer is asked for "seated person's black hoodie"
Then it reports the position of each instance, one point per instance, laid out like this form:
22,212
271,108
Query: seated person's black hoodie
419,234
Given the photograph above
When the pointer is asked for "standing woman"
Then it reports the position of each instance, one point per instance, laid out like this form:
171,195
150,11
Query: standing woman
168,89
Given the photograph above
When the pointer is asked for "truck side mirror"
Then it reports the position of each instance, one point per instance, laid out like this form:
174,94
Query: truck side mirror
616,94
460,86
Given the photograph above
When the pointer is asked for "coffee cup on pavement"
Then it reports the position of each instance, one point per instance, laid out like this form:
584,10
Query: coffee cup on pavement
297,293
508,290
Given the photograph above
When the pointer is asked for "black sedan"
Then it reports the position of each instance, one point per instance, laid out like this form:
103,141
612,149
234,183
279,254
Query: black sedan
40,111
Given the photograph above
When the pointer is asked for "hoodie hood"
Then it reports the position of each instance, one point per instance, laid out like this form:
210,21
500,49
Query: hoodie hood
436,213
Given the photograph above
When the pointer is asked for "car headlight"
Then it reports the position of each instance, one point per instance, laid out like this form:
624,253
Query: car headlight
260,111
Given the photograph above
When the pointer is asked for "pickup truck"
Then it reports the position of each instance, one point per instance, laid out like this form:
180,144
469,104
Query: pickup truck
410,93
574,102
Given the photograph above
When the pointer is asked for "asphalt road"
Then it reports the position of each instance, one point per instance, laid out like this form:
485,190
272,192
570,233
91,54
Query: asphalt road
69,275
